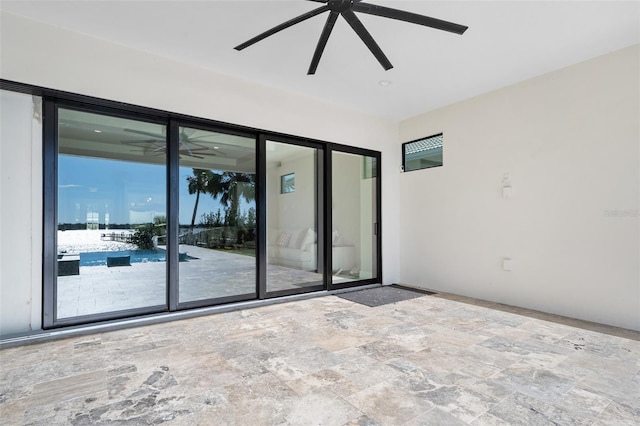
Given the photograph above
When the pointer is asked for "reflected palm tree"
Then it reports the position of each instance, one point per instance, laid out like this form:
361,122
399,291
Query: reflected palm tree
230,186
199,183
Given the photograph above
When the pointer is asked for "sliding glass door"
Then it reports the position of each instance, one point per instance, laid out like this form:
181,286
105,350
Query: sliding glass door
217,216
354,218
111,211
294,233
146,214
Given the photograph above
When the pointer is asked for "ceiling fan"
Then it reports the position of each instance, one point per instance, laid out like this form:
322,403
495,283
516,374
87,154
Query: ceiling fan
157,144
346,8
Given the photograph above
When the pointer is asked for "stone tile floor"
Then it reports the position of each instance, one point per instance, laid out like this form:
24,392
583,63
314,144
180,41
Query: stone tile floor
433,360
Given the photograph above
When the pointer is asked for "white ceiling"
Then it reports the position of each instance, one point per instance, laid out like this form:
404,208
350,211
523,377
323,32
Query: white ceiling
507,42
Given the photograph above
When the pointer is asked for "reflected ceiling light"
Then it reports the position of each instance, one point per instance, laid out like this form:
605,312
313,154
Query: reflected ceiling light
384,83
97,131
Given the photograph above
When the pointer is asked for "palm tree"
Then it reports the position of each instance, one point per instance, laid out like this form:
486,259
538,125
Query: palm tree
199,183
230,186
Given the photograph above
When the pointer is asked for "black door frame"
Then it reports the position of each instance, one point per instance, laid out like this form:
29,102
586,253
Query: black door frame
51,106
52,99
263,292
173,231
331,148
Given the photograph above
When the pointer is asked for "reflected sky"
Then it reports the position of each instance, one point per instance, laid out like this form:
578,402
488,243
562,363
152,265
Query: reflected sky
128,192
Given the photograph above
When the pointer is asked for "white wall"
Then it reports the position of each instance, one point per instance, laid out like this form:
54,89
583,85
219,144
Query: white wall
20,220
295,210
51,57
347,175
570,142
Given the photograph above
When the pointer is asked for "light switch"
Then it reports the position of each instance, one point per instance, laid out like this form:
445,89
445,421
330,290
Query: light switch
507,264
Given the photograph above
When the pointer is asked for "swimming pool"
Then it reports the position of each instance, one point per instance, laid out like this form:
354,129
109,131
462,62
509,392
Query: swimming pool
98,258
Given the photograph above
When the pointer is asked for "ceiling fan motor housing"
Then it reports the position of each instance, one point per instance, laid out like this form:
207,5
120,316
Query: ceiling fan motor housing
340,5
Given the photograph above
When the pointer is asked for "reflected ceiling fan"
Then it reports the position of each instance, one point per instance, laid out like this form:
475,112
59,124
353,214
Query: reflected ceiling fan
157,145
347,9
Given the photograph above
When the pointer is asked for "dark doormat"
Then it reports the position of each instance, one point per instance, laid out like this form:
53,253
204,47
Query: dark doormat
383,295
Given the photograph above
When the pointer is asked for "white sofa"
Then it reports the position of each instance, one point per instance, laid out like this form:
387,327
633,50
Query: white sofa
295,248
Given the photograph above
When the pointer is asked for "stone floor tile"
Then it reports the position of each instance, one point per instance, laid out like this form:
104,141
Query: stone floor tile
69,387
541,384
388,404
321,408
516,410
619,415
366,371
435,417
332,341
463,403
622,388
382,350
448,339
326,379
582,403
362,421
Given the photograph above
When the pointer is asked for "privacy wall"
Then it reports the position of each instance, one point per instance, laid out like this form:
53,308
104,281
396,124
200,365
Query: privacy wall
545,173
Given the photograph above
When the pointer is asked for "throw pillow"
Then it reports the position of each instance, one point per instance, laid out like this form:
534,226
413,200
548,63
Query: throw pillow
309,238
283,241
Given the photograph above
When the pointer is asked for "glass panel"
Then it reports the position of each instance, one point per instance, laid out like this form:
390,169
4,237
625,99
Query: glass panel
111,214
423,154
354,217
217,237
292,249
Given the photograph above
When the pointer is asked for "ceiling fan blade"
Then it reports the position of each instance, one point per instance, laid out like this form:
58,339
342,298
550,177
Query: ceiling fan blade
322,42
366,37
195,149
141,132
201,137
196,146
414,18
194,156
282,26
320,1
138,141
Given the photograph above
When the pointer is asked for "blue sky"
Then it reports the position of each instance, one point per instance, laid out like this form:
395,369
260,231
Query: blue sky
129,192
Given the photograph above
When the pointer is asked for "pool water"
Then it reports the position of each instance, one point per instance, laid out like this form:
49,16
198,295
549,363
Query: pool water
98,258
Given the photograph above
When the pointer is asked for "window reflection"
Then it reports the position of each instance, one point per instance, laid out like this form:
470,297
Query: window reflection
217,219
111,214
292,225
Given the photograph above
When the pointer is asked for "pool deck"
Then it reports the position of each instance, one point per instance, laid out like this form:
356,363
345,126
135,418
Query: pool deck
210,274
